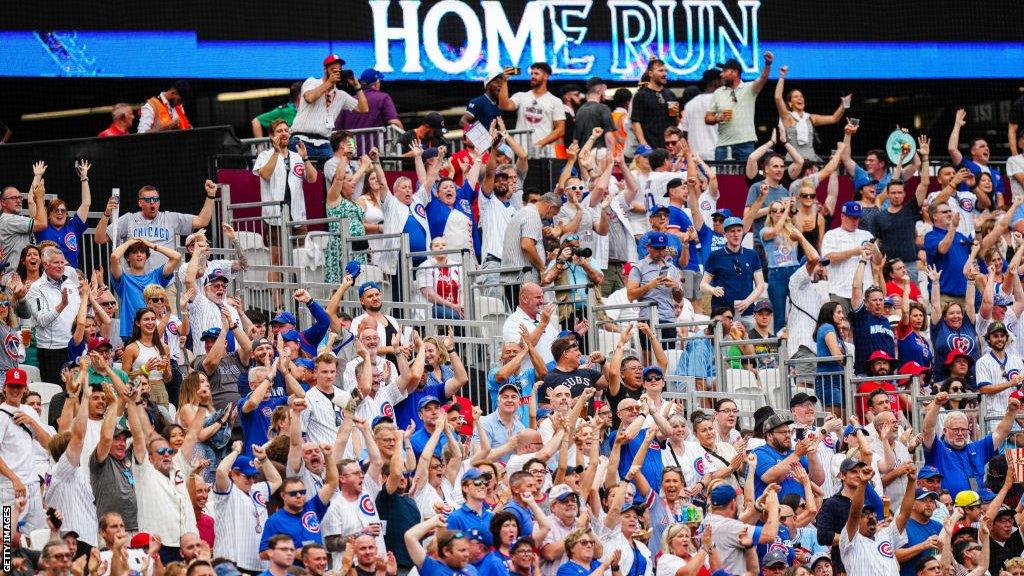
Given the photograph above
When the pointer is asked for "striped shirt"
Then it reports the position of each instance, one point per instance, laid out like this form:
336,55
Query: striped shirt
381,365
346,517
164,505
494,218
323,416
863,556
204,314
525,224
396,215
240,519
70,492
317,117
382,403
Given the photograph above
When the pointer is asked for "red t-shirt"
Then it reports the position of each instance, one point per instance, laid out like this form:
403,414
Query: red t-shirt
447,286
894,289
112,130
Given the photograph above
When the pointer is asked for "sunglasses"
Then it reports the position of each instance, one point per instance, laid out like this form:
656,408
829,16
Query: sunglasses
576,187
737,269
5,302
295,493
777,211
155,300
654,378
166,451
60,211
671,142
808,195
150,199
585,542
479,482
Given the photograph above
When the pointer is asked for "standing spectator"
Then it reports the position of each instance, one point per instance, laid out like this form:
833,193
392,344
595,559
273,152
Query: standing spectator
110,468
282,173
732,109
572,97
875,164
326,403
780,453
782,244
284,112
655,279
701,136
980,153
732,275
429,134
122,124
502,424
165,111
524,245
497,204
339,204
1015,171
321,103
948,251
841,246
797,122
53,300
735,537
655,107
872,330
129,284
769,190
15,229
144,352
999,372
538,111
223,367
352,510
484,108
381,109
20,426
150,223
240,504
538,319
865,549
594,113
67,233
894,226
920,537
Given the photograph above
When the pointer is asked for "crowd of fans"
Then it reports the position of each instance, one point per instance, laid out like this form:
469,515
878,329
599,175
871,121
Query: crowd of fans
193,435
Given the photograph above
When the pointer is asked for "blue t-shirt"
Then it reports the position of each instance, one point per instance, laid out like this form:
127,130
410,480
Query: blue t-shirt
405,411
523,516
862,174
431,567
824,352
438,213
256,423
493,564
783,542
870,333
952,281
917,533
914,348
652,465
304,527
571,568
419,441
975,168
710,241
416,230
68,237
129,289
946,339
484,110
768,457
779,251
679,219
957,465
466,519
525,379
75,351
733,271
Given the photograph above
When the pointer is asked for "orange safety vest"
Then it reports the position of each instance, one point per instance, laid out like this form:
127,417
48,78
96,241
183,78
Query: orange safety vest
163,113
621,136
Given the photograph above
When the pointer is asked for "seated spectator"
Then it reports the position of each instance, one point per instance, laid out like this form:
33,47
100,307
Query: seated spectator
438,283
123,117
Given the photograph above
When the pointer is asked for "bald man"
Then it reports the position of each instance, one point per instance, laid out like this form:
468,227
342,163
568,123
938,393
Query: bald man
539,319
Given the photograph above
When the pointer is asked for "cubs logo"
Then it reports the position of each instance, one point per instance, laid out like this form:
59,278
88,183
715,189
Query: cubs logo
959,343
366,505
885,549
654,445
259,498
698,465
387,410
967,204
310,522
217,272
829,441
11,345
778,546
172,327
267,411
421,211
299,169
464,204
71,241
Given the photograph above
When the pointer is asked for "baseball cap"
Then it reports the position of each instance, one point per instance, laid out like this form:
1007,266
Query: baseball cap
653,370
226,569
1018,394
658,209
657,239
1002,299
966,498
722,495
97,342
211,333
802,397
817,558
244,465
216,275
291,336
140,540
284,318
852,209
880,355
368,285
369,76
774,557
722,213
425,401
928,471
478,535
260,342
332,58
378,419
912,368
644,150
850,464
764,304
472,473
730,222
922,493
435,121
1005,510
954,354
493,76
996,327
16,377
510,384
775,421
851,429
732,64
674,183
304,363
862,181
561,492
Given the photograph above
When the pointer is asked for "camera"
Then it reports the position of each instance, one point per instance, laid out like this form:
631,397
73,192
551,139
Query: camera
582,252
345,83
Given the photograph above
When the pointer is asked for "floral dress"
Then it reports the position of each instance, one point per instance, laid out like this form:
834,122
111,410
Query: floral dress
332,255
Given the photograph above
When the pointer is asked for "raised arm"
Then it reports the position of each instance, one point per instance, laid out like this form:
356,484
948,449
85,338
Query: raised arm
83,167
780,104
953,146
762,79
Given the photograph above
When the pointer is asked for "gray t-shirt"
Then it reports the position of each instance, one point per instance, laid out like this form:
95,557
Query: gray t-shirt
646,270
113,486
525,224
223,379
161,231
15,234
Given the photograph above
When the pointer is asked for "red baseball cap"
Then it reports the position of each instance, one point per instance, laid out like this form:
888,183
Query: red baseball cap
140,540
16,377
880,355
1018,394
98,341
954,354
332,58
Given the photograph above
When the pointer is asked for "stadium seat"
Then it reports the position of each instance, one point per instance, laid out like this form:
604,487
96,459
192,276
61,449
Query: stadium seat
256,253
46,393
607,340
489,306
31,372
38,538
772,379
736,378
673,360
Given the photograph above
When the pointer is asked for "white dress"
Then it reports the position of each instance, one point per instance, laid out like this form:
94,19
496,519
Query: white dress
373,215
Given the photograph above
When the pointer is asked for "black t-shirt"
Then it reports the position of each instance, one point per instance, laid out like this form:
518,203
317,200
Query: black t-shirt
399,513
578,380
592,115
1017,112
896,231
650,109
1001,553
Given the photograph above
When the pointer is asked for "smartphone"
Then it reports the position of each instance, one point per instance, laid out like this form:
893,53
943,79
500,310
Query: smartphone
51,513
801,433
854,121
663,272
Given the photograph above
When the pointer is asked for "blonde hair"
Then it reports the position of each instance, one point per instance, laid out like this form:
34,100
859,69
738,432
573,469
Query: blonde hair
154,291
442,352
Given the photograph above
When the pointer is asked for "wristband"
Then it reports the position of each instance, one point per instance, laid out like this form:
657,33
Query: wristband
211,197
451,351
614,567
86,179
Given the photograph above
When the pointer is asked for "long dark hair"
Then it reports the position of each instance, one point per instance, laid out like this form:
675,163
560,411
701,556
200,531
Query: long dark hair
137,331
22,269
827,315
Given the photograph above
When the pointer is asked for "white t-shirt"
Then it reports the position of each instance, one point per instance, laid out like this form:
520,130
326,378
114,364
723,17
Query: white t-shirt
538,113
494,218
510,331
1014,166
13,442
274,190
702,137
840,274
317,117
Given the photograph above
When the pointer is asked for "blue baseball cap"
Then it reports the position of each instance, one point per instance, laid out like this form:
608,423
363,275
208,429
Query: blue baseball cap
1002,299
853,209
369,76
722,213
929,471
353,268
472,474
244,465
284,318
426,400
211,333
305,363
369,285
644,150
731,221
291,336
505,150
722,495
862,181
922,493
653,370
851,430
378,419
656,209
482,536
657,240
